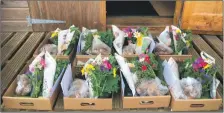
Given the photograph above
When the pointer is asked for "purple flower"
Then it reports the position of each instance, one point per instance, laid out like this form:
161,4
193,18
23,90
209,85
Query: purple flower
102,68
206,76
201,70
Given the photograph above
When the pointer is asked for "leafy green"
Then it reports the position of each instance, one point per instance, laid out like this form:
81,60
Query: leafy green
88,42
61,64
37,82
107,37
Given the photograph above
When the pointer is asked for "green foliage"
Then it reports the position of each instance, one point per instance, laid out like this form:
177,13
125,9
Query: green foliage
37,82
107,37
61,64
143,30
88,42
103,82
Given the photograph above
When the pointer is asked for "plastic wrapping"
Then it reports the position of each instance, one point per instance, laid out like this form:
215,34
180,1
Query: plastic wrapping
49,72
172,80
191,87
24,85
126,72
145,45
129,49
64,39
213,87
165,37
151,87
79,89
99,47
119,39
82,38
162,49
51,48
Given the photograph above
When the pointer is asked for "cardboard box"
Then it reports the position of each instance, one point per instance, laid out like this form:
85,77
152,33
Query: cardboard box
13,102
85,103
151,101
47,41
193,104
196,104
145,101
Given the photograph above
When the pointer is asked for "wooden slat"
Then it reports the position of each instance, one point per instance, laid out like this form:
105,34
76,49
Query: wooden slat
201,45
178,11
12,45
220,37
193,52
164,8
91,14
214,43
15,26
5,37
15,13
14,4
139,20
13,67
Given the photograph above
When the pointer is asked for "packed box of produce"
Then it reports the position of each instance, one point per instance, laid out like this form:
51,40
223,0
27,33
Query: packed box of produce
193,84
91,83
61,43
38,84
143,85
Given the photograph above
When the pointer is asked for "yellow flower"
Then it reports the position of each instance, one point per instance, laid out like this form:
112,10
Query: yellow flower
188,43
114,72
139,38
54,34
178,31
207,66
90,67
83,71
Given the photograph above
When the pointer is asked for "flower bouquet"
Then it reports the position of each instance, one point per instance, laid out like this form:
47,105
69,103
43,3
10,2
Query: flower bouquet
94,83
142,82
61,42
132,41
194,80
93,42
173,41
41,80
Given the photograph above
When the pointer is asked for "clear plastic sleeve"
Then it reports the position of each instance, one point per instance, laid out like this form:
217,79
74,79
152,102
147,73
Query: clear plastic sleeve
79,89
24,85
51,48
162,49
191,87
99,47
119,39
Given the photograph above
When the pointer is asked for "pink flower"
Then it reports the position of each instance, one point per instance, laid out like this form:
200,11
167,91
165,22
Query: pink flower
42,62
107,65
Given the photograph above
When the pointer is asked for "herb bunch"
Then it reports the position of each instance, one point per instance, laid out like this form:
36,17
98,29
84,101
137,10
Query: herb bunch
103,75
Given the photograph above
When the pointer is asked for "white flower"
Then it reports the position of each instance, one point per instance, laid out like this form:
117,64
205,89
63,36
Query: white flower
96,36
137,34
141,60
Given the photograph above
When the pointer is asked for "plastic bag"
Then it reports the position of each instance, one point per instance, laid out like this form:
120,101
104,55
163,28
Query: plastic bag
119,39
145,44
213,87
49,72
191,87
165,37
51,48
24,85
64,39
129,49
81,43
126,72
99,47
79,89
162,49
151,87
173,81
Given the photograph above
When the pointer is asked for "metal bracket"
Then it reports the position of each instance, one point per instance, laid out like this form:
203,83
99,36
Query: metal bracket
42,21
